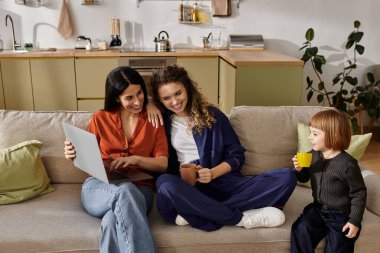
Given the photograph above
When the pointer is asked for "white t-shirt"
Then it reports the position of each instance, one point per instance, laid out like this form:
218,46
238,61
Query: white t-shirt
183,140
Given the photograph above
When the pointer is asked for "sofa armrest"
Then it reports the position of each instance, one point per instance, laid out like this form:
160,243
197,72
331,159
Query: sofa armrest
372,182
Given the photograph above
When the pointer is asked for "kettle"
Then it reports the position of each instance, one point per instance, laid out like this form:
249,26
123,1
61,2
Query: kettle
83,43
162,44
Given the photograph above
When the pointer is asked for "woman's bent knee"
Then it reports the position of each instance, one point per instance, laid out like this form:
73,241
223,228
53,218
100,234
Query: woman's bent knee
166,182
288,177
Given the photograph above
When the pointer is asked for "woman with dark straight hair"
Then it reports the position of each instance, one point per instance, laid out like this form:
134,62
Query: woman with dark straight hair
126,141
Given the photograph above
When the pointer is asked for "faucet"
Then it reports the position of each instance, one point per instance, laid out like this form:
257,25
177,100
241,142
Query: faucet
15,44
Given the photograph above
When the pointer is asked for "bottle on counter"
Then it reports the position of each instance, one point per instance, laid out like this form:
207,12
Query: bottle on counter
195,12
115,41
180,16
115,33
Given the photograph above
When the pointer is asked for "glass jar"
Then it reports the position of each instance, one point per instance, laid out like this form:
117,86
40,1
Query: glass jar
41,3
21,2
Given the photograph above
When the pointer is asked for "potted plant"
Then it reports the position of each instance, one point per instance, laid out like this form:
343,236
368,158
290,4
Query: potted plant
348,97
368,97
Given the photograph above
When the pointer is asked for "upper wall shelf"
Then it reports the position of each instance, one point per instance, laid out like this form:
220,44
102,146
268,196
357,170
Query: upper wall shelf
91,2
138,2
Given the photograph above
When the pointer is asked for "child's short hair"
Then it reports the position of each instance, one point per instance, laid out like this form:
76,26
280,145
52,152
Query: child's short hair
335,125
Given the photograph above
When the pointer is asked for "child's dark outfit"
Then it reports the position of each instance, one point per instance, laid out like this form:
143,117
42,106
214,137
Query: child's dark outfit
339,196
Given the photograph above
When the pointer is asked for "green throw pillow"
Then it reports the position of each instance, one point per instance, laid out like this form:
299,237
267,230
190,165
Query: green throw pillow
22,173
356,149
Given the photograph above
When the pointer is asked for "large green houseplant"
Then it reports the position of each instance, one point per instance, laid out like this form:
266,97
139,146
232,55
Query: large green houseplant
369,96
348,97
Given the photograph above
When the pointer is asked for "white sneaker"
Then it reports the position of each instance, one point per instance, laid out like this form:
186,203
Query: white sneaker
180,221
263,217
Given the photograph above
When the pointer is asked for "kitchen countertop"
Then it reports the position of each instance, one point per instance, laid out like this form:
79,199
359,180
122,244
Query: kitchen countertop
237,58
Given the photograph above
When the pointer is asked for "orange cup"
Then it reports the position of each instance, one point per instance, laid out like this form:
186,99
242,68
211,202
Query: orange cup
188,173
304,159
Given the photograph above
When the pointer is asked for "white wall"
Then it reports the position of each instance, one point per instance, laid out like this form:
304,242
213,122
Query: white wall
283,24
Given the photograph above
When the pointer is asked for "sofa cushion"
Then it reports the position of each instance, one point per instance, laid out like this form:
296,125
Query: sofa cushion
269,134
183,239
373,193
47,128
55,222
22,173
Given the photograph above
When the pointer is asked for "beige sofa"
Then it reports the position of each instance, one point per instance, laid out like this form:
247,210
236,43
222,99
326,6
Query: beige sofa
56,222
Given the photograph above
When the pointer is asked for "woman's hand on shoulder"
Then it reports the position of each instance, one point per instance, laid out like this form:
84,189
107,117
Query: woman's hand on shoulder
295,163
69,150
154,114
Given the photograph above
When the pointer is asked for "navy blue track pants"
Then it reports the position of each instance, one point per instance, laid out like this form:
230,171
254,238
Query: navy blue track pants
221,202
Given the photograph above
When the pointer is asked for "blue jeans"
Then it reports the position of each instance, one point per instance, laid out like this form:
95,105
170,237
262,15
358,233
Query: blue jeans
123,208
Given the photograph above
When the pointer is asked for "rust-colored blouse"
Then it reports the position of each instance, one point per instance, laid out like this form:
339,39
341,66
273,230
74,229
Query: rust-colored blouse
145,140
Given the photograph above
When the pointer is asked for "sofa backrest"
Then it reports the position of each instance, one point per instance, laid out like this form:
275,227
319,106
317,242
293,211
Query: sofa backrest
18,126
269,134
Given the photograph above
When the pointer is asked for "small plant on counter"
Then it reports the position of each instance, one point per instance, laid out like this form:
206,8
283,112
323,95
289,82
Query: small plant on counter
345,97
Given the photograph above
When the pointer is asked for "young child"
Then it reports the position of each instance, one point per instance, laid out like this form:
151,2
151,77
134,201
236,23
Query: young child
338,188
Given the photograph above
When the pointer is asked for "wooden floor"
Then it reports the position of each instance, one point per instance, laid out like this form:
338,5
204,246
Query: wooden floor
371,157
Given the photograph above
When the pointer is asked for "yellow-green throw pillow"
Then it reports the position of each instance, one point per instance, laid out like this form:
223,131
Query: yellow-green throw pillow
356,149
22,173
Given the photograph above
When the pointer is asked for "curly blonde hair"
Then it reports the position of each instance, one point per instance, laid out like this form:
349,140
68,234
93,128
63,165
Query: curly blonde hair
199,115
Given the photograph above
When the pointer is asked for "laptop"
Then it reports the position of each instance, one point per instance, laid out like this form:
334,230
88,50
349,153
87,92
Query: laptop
89,160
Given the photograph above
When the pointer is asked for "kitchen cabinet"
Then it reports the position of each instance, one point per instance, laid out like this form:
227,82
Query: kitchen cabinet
53,82
17,84
66,80
273,84
91,76
204,71
2,103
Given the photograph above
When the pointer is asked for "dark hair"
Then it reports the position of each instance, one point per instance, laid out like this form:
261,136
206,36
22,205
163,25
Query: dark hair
335,125
117,81
196,107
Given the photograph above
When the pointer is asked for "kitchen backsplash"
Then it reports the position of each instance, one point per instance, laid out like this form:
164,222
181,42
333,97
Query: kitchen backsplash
138,25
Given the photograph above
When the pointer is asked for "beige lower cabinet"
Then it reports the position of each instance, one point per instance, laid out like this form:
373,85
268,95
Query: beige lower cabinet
91,76
272,85
204,71
53,81
17,84
2,103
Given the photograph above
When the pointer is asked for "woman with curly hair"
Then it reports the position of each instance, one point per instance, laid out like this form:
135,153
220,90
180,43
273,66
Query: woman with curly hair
199,133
